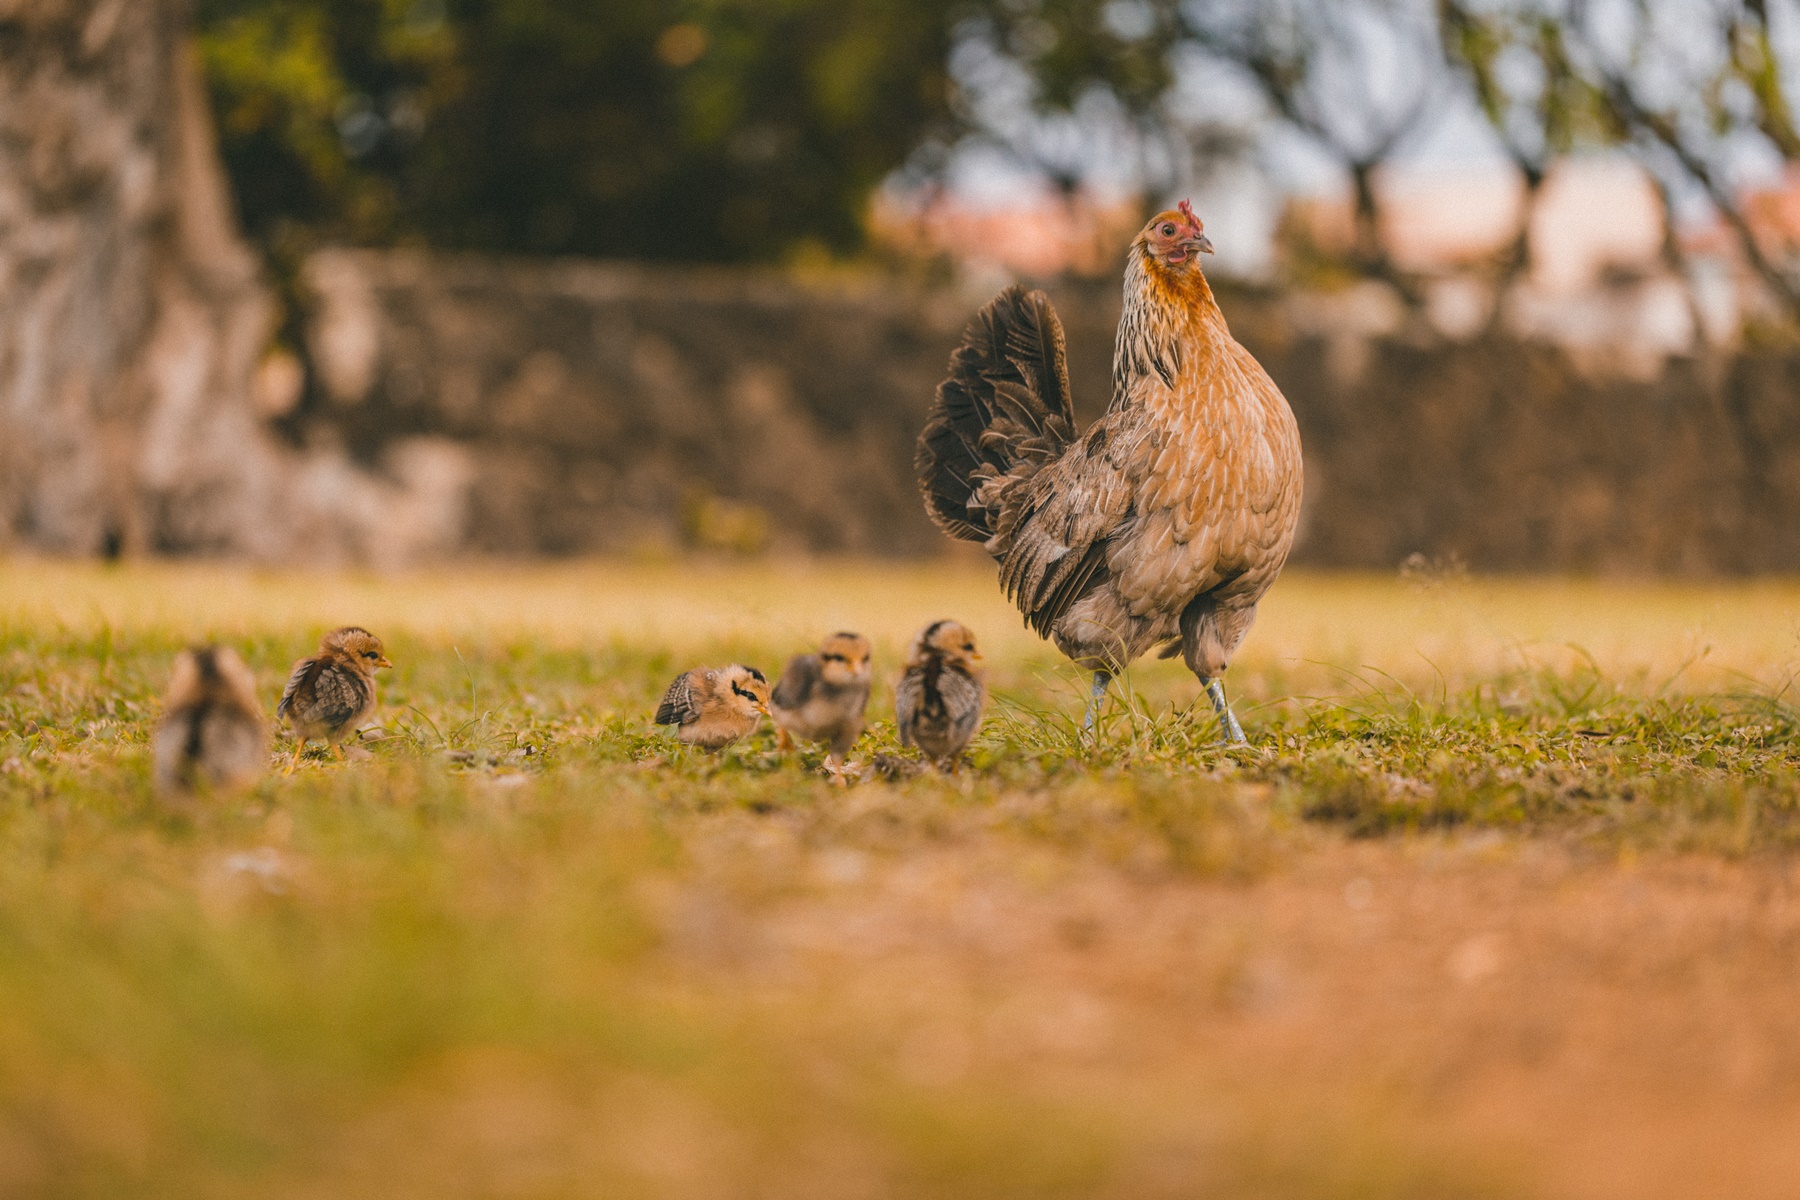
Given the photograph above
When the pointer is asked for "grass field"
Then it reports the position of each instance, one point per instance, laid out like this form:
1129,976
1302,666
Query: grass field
1500,901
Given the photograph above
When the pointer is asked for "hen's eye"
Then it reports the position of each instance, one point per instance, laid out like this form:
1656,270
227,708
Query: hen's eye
1168,231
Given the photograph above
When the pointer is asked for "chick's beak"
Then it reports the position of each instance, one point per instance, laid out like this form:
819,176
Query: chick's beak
383,661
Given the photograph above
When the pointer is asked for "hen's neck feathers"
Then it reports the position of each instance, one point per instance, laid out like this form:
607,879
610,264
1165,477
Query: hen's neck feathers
1170,324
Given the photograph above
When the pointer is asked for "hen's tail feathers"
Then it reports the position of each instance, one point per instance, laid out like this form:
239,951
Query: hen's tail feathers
1002,414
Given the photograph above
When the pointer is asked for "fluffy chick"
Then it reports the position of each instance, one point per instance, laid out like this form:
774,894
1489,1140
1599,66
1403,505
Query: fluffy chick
821,697
712,707
212,733
330,694
938,701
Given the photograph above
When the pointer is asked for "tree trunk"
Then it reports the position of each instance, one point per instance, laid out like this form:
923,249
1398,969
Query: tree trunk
132,319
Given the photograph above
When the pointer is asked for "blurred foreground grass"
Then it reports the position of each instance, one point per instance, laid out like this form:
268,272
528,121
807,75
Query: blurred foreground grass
527,947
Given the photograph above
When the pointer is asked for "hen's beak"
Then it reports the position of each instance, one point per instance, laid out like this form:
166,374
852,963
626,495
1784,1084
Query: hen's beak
1200,242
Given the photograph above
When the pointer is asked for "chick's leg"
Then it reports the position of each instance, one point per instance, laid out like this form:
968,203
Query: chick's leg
1095,697
1229,729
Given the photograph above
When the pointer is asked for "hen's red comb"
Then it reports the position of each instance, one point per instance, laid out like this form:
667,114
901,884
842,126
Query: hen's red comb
1188,212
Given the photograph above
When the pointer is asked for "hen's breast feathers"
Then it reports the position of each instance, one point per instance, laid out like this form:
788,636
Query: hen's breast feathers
1219,492
1176,489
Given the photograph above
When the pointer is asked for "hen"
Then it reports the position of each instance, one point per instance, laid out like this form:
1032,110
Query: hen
1162,525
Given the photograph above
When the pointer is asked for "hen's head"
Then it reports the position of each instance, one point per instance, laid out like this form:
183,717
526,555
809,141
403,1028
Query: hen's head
844,659
1174,237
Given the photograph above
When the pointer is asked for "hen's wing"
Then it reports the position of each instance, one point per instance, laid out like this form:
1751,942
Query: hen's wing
680,704
1003,413
798,682
1057,532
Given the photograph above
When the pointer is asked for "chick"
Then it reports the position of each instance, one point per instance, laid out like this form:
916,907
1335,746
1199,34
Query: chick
821,698
938,701
212,732
712,707
330,694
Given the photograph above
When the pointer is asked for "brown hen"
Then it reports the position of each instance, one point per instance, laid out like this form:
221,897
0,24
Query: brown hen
1162,525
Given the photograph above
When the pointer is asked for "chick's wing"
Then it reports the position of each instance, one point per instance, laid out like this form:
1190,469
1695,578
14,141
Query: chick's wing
799,680
299,686
909,694
679,704
337,696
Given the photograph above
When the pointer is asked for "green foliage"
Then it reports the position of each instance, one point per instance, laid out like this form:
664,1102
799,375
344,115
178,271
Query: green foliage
719,130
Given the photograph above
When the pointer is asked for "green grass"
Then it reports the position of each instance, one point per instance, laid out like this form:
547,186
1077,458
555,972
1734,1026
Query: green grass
524,948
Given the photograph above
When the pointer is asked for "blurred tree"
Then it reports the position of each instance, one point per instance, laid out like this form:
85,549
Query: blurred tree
659,129
133,320
1700,93
1352,78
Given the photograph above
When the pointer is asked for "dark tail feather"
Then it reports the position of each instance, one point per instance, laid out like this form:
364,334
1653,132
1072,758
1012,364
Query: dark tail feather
1003,413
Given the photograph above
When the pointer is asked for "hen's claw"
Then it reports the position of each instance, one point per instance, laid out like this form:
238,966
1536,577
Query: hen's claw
1095,698
1231,732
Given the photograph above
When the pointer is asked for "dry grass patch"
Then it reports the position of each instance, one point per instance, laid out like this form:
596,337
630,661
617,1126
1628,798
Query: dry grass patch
1498,903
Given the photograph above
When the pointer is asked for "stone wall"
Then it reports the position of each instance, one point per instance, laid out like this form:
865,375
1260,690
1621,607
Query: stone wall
582,407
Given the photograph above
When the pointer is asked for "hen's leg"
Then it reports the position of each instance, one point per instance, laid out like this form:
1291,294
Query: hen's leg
1230,730
299,746
1098,694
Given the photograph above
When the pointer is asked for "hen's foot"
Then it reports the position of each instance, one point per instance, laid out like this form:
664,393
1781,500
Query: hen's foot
1230,732
1096,697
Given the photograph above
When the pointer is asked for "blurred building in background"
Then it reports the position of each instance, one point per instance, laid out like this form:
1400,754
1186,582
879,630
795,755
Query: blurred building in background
527,278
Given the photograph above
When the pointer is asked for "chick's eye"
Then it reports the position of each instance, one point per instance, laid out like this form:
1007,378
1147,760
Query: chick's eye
969,646
370,654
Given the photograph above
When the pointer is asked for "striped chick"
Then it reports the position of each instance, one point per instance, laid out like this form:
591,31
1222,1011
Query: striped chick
712,707
330,694
938,701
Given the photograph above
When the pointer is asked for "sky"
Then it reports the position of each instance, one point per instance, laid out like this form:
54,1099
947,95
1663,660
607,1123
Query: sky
1392,69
